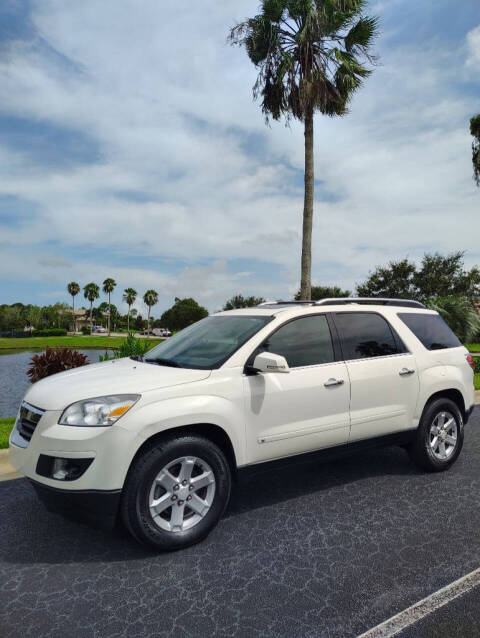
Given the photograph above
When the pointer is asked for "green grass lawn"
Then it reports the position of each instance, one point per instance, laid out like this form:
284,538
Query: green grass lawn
6,426
78,341
476,381
473,347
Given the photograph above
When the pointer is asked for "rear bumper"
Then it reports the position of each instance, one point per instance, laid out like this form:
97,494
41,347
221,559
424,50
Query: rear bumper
97,508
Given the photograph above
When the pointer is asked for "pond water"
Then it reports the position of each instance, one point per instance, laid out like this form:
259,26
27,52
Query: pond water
14,381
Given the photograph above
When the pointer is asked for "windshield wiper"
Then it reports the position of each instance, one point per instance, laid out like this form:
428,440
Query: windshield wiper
136,357
164,362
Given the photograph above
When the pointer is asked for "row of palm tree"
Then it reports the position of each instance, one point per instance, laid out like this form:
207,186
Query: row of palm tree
91,291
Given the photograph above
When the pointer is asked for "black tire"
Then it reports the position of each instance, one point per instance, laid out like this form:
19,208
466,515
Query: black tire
421,451
135,510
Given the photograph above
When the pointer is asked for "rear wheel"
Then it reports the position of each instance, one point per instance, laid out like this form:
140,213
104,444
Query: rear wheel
439,437
176,492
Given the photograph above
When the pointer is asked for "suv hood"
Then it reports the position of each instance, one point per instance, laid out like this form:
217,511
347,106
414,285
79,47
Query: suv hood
119,376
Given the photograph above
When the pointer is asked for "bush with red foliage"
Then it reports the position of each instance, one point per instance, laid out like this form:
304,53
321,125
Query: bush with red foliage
54,360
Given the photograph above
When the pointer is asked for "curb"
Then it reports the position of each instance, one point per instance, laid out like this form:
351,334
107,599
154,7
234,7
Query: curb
7,472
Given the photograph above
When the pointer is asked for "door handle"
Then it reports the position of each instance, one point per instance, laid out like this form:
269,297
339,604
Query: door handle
404,371
332,382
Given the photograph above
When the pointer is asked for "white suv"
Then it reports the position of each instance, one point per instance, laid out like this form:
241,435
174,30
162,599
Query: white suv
158,440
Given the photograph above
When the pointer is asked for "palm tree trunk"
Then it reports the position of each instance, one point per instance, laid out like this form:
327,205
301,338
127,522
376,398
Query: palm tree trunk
74,317
128,320
91,324
148,321
109,311
306,281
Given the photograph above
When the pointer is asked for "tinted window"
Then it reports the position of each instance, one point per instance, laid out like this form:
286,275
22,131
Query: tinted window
366,335
303,342
431,330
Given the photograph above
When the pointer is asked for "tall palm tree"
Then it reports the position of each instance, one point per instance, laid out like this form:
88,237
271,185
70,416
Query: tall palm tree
129,296
73,289
310,56
91,292
108,288
475,131
150,298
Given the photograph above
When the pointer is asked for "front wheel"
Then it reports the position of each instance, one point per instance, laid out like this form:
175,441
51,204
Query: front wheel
176,492
439,437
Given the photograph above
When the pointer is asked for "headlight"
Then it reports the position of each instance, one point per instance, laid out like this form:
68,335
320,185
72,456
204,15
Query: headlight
98,411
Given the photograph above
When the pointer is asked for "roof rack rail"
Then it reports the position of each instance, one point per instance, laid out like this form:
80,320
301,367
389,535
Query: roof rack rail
381,301
279,302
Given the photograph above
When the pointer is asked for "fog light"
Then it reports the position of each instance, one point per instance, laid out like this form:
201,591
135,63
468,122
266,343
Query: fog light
62,469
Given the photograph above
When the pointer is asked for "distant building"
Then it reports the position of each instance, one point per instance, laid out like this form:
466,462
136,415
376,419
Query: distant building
82,319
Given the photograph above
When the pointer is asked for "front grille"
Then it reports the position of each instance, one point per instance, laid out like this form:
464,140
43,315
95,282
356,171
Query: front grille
27,420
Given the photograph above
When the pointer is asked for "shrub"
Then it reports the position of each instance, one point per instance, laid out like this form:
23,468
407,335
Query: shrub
85,330
128,348
183,313
54,360
476,361
50,332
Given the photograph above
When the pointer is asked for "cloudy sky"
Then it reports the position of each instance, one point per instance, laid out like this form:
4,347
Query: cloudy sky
131,148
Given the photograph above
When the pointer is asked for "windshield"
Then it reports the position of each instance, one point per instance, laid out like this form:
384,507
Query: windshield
208,343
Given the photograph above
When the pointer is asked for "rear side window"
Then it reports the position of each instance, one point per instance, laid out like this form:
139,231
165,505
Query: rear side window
303,342
365,335
431,330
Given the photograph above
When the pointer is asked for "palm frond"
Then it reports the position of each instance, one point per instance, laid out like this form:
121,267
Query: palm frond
459,314
309,54
362,34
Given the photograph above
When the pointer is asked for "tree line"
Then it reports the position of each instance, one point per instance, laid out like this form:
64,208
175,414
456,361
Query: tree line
183,312
439,281
91,292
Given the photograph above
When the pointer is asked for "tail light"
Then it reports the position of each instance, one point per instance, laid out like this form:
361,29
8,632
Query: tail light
471,362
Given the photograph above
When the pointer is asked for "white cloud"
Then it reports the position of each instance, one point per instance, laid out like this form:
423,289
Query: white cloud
473,44
173,118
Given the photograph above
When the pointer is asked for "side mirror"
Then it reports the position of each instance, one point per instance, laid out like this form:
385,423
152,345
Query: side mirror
267,362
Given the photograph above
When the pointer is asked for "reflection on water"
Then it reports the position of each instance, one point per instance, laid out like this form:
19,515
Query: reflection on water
13,376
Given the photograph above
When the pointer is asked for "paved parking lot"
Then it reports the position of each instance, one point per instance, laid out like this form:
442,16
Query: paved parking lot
313,550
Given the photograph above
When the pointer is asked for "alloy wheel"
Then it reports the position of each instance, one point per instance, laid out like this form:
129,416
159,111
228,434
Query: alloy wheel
182,493
443,435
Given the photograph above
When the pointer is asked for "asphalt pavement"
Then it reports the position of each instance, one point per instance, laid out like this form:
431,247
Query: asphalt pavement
310,550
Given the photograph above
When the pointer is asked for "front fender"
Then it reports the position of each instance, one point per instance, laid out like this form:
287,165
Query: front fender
161,416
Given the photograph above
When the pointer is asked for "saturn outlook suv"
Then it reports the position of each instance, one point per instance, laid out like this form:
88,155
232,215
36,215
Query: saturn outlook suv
156,441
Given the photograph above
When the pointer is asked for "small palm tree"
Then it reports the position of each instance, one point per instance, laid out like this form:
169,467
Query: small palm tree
309,56
150,298
73,289
108,288
129,296
91,292
475,131
460,314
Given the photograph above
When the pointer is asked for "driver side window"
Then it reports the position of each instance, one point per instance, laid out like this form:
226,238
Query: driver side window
303,342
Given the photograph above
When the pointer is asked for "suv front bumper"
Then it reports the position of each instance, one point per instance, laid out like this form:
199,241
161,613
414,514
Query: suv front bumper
94,496
98,508
110,449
